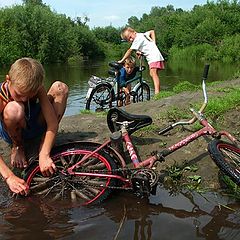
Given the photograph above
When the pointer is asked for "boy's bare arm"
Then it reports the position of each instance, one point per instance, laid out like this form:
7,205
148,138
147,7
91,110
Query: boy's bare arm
16,184
126,55
46,164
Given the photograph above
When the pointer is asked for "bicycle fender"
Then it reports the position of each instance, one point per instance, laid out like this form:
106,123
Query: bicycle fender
100,84
89,92
137,85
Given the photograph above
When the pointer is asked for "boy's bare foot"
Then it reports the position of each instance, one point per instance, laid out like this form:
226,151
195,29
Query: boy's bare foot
18,158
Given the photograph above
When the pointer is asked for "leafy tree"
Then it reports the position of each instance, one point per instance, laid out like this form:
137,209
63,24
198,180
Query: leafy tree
107,34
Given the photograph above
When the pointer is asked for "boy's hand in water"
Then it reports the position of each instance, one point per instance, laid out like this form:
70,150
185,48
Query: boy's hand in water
17,185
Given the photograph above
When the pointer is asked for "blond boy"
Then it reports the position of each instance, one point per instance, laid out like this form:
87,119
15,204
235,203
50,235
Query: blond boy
27,111
127,72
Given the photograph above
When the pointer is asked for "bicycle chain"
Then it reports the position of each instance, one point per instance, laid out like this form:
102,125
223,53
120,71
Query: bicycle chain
121,170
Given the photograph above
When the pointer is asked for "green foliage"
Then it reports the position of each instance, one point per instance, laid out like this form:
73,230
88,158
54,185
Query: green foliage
195,52
230,48
185,86
174,114
163,94
207,32
231,188
236,74
33,30
219,105
180,177
216,105
107,34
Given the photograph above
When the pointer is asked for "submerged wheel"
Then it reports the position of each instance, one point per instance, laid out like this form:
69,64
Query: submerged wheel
100,98
81,190
142,93
227,158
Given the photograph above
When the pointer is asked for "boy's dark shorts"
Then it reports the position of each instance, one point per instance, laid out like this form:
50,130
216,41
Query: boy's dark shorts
33,128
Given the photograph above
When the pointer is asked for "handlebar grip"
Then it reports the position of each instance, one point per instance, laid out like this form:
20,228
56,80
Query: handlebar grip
205,72
166,129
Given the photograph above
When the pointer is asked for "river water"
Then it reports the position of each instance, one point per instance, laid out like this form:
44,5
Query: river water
167,215
76,75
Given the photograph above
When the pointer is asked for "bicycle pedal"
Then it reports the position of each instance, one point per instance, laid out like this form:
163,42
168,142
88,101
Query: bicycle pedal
141,186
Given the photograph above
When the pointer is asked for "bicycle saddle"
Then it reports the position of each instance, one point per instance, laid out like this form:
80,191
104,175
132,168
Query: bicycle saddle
116,116
115,65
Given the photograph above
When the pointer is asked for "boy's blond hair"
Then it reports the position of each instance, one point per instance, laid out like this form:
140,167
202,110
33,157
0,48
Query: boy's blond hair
27,75
130,61
124,30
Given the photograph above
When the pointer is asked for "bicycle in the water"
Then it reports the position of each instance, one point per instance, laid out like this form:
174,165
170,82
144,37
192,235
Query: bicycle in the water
104,93
88,172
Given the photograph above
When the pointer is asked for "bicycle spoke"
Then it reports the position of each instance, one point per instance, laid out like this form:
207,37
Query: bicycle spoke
64,186
234,158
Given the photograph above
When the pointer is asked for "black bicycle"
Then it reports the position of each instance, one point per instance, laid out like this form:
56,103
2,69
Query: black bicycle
105,93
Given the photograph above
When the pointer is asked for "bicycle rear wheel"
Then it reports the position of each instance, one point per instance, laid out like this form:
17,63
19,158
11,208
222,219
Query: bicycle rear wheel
227,158
142,93
80,190
100,98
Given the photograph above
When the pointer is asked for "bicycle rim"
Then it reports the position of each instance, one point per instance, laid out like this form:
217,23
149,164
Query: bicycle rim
79,190
227,157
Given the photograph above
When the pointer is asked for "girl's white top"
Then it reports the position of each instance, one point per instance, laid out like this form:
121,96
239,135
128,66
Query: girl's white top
147,47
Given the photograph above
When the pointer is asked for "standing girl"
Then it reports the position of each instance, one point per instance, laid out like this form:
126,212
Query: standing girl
145,43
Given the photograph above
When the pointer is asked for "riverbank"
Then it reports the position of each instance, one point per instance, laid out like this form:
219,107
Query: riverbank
93,127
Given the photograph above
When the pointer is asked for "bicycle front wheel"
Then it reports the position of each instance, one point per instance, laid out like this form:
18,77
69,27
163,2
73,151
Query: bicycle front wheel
80,190
100,98
227,158
142,93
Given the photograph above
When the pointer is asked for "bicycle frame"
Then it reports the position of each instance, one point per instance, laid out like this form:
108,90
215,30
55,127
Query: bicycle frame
113,85
207,129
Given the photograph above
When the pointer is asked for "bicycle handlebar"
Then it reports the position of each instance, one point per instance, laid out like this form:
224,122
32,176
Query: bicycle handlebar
166,129
196,116
205,72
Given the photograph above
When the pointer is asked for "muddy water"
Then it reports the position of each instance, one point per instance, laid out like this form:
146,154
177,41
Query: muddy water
123,216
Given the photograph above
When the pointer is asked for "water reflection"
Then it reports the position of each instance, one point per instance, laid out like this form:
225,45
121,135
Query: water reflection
27,220
124,216
185,216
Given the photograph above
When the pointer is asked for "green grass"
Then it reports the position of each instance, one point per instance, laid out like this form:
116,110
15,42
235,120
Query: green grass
216,107
97,114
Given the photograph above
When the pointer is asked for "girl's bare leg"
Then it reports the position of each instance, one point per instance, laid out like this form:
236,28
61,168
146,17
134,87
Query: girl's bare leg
155,78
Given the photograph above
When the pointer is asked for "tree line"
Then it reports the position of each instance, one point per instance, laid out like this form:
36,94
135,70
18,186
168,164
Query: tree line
207,32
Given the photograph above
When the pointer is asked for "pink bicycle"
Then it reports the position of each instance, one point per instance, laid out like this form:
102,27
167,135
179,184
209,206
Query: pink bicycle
88,172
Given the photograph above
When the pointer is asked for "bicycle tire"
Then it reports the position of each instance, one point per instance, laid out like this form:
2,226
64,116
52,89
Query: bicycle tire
100,98
87,190
142,93
227,158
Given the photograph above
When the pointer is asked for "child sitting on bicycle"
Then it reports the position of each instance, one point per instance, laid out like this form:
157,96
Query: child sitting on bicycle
127,72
